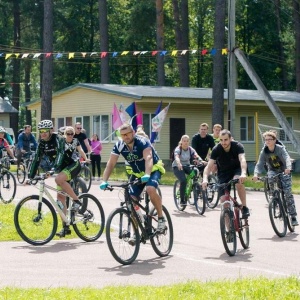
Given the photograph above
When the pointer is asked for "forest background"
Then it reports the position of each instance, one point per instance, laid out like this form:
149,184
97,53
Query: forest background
49,45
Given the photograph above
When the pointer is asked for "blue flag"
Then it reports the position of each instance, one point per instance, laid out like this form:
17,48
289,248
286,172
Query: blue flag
154,134
131,110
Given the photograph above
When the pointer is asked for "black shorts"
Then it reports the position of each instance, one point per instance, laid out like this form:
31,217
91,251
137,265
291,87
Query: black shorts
72,170
225,177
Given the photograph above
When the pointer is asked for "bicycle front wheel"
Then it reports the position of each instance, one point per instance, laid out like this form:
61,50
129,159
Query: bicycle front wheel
21,173
8,187
288,216
176,196
86,175
277,217
199,198
267,191
244,233
35,222
162,242
122,235
89,225
228,232
211,192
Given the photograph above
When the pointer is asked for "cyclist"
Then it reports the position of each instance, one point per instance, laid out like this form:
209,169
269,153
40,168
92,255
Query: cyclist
202,142
277,160
4,144
82,138
145,163
231,163
61,155
184,155
216,133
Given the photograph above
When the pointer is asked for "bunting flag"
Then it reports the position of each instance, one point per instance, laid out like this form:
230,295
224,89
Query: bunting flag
131,110
154,134
116,120
158,120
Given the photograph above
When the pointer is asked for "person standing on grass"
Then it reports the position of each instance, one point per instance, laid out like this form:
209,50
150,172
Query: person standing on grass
96,155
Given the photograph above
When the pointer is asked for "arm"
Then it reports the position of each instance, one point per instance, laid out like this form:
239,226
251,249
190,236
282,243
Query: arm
110,166
20,142
206,172
81,152
147,155
243,163
88,147
33,141
10,152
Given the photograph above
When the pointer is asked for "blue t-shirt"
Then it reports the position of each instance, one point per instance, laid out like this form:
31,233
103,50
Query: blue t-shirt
135,157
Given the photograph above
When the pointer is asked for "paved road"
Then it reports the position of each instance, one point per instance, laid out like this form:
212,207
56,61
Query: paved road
197,253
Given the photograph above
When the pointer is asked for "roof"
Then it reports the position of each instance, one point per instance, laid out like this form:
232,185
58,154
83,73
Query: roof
6,107
141,91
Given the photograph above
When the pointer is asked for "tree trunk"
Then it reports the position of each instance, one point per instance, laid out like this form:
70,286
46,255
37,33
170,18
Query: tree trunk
160,42
14,118
218,64
104,40
296,16
47,81
27,66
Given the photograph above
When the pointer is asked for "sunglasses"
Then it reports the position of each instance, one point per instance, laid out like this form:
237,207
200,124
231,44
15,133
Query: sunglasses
44,130
79,128
69,133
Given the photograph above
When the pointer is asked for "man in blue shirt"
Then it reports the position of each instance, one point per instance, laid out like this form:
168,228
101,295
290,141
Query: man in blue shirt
145,164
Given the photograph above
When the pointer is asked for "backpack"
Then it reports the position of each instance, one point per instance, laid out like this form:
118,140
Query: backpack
173,155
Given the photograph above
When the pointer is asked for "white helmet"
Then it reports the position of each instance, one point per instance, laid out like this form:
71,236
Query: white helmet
45,124
2,129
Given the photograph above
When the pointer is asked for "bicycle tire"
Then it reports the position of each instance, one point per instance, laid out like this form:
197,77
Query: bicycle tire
21,173
176,196
211,192
199,198
162,243
277,217
288,216
267,191
120,227
86,175
79,187
244,233
228,231
35,229
8,187
89,226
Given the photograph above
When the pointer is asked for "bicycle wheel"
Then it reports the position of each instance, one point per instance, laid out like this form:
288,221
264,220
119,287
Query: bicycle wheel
277,217
228,232
244,233
176,195
199,198
90,225
267,191
86,175
120,228
35,222
162,243
211,192
21,173
8,187
288,217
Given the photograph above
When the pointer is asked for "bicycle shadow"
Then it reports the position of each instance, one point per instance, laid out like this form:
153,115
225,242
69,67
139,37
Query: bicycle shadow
139,267
290,236
54,247
242,255
192,212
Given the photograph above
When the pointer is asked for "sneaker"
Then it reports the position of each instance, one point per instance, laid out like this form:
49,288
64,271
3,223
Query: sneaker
182,202
132,240
161,226
65,231
245,212
294,221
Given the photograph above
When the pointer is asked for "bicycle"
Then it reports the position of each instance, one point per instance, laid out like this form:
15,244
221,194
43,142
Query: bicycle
24,166
8,184
231,221
201,198
278,213
35,216
86,174
123,224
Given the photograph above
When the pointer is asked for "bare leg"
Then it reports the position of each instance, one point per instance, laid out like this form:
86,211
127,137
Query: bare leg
61,180
155,199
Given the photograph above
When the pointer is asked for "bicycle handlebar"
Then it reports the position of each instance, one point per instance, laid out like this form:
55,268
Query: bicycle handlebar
224,185
123,185
40,177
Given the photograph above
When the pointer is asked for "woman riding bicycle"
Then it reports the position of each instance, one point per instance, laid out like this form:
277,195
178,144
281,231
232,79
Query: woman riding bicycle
184,155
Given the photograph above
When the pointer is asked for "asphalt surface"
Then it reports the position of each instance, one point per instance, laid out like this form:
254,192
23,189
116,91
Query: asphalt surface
197,254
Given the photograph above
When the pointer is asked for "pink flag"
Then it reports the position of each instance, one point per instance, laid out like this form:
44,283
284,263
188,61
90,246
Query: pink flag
139,118
116,120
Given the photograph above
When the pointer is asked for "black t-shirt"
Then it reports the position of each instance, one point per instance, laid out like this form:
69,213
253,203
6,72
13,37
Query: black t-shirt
227,160
202,145
81,137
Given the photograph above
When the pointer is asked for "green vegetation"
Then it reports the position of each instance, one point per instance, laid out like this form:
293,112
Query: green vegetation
258,288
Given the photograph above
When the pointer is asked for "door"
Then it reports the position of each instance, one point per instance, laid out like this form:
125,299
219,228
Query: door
177,130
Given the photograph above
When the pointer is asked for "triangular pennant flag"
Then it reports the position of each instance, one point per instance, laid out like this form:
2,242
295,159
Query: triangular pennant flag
224,51
8,55
154,53
174,52
71,55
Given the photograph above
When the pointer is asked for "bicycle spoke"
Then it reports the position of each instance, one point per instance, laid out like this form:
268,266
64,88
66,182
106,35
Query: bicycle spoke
176,196
8,187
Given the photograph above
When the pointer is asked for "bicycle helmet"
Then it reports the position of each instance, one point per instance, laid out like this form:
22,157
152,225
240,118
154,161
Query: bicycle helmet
45,124
61,130
2,129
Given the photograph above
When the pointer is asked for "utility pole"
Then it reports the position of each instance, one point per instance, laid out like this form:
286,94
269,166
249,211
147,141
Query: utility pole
231,72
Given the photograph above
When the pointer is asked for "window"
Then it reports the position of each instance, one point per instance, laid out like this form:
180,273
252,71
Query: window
247,129
282,135
100,127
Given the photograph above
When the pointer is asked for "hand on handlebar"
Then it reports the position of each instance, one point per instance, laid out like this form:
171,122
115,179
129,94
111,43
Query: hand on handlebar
103,185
